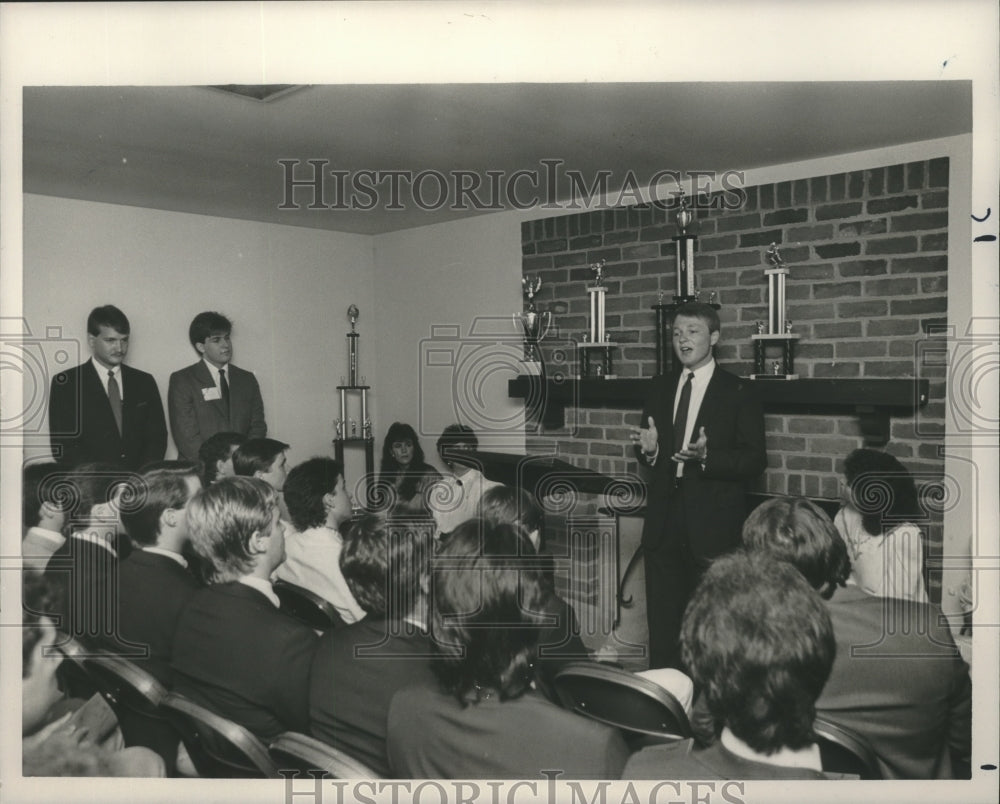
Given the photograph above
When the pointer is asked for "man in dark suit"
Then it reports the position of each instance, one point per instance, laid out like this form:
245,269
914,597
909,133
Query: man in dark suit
898,679
703,435
102,410
155,581
758,641
234,651
84,572
212,395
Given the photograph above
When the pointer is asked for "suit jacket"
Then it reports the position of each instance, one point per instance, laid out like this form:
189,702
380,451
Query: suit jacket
238,655
684,760
715,505
85,577
899,680
355,673
82,427
431,735
193,419
153,590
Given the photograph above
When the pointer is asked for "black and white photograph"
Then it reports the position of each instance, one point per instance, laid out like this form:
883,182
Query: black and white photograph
499,401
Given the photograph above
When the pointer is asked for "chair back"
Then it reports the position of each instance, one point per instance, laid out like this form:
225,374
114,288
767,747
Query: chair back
218,747
136,698
292,751
621,699
306,606
843,750
74,678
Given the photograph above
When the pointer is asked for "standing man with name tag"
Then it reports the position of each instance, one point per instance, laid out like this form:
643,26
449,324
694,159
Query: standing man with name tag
212,395
103,411
702,434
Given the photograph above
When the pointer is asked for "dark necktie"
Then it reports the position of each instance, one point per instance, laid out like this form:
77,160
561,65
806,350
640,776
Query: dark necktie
115,398
224,385
680,420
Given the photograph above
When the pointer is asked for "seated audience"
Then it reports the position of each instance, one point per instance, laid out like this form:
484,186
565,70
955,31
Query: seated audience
898,679
758,642
43,515
63,746
215,456
264,458
406,473
359,668
155,582
877,523
234,651
559,642
84,571
484,719
464,488
318,504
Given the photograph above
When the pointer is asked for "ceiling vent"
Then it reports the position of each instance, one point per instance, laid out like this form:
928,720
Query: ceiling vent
259,92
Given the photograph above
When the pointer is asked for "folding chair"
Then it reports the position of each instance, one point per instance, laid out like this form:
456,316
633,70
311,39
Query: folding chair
136,698
307,607
843,750
622,699
292,751
219,748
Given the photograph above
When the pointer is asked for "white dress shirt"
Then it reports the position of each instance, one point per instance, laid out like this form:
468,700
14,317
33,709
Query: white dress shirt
312,560
262,586
102,373
465,494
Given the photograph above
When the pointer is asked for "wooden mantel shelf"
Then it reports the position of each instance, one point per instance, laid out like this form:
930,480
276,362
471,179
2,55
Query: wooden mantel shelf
873,400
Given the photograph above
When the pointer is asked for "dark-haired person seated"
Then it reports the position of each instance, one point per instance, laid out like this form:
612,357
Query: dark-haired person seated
318,504
898,679
43,516
155,582
885,545
359,668
234,651
215,455
265,459
465,485
560,642
484,719
84,571
758,640
405,474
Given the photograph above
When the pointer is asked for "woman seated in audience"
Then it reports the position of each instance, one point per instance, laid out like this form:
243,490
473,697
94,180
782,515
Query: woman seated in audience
484,719
876,522
406,472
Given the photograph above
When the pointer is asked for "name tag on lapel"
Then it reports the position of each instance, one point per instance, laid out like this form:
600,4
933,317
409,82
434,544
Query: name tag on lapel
210,394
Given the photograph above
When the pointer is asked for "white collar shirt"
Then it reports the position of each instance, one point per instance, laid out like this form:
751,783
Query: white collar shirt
102,374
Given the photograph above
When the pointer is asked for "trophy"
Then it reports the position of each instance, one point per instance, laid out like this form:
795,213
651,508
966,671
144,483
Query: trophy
533,324
779,329
352,342
597,337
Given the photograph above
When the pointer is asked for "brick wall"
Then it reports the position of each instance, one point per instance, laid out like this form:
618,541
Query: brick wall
868,281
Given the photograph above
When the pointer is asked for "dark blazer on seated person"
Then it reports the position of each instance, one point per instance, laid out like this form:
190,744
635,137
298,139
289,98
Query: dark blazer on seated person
235,653
684,760
82,427
193,418
153,590
355,673
898,680
431,735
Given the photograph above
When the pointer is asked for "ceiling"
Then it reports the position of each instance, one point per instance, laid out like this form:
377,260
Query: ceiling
205,151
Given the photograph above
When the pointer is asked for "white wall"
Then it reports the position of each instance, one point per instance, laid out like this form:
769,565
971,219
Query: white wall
460,281
286,289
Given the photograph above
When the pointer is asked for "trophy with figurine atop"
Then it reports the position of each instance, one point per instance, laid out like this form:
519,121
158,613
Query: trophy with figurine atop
534,325
778,330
